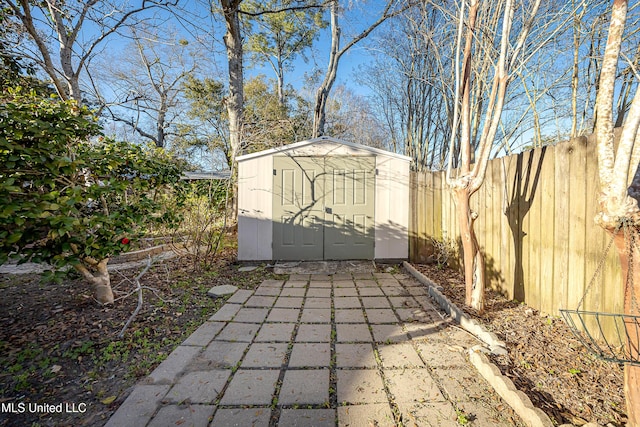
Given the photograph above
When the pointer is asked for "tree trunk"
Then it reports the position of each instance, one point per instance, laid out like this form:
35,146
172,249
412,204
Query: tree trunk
235,100
630,265
100,279
322,95
472,257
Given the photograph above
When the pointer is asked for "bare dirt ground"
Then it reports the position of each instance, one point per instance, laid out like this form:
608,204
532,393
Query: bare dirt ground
545,361
58,346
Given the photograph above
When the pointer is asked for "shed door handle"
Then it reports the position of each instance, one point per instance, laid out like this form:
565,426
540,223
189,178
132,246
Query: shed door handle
328,210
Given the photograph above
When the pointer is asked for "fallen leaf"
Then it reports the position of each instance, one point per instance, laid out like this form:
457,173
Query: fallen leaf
108,400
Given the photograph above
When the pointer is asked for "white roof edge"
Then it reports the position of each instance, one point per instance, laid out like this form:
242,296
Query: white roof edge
305,142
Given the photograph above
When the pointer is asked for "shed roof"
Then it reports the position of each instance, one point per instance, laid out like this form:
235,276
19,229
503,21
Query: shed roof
321,140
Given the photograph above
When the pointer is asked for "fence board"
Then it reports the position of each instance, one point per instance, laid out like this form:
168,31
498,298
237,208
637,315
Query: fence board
508,165
577,216
561,230
546,200
535,226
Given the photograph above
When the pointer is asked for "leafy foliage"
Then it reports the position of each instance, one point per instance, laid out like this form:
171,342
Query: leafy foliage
70,196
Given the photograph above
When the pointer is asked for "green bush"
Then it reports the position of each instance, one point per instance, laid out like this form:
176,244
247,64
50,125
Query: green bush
70,196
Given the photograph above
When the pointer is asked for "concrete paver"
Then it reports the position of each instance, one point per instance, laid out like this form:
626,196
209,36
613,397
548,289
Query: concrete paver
305,387
241,417
242,332
345,292
316,302
139,407
412,385
272,283
310,332
251,315
240,297
388,333
319,283
199,387
261,301
219,354
358,355
358,332
435,353
343,284
289,302
275,332
370,292
360,386
394,291
186,415
267,291
169,370
428,414
375,302
293,292
352,349
296,283
251,387
381,315
316,315
308,417
283,315
401,355
347,302
412,314
366,283
265,355
459,384
225,313
349,316
378,414
319,293
310,355
403,302
204,334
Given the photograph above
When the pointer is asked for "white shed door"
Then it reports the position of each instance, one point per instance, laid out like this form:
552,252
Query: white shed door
323,208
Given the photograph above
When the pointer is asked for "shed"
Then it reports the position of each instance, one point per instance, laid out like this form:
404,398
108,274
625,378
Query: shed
323,199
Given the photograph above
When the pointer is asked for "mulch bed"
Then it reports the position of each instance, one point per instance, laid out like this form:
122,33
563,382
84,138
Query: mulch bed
57,345
545,360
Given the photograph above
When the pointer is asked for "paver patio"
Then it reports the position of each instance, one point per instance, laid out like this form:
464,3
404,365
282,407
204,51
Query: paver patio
352,349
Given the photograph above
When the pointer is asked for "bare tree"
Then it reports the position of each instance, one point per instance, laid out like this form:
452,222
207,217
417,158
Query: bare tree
147,84
410,84
391,9
67,23
470,176
619,177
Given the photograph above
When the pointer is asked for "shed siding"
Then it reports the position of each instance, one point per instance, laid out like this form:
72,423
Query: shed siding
392,208
255,188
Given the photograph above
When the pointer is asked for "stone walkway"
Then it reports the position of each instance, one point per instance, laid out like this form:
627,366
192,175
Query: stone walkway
351,349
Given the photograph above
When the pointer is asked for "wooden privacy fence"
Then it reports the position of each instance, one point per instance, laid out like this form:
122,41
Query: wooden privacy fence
535,227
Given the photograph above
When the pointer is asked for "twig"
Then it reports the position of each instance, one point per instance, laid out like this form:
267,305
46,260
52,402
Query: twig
139,306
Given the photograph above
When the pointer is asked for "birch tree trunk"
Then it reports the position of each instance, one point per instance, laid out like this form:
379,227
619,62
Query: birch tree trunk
618,198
